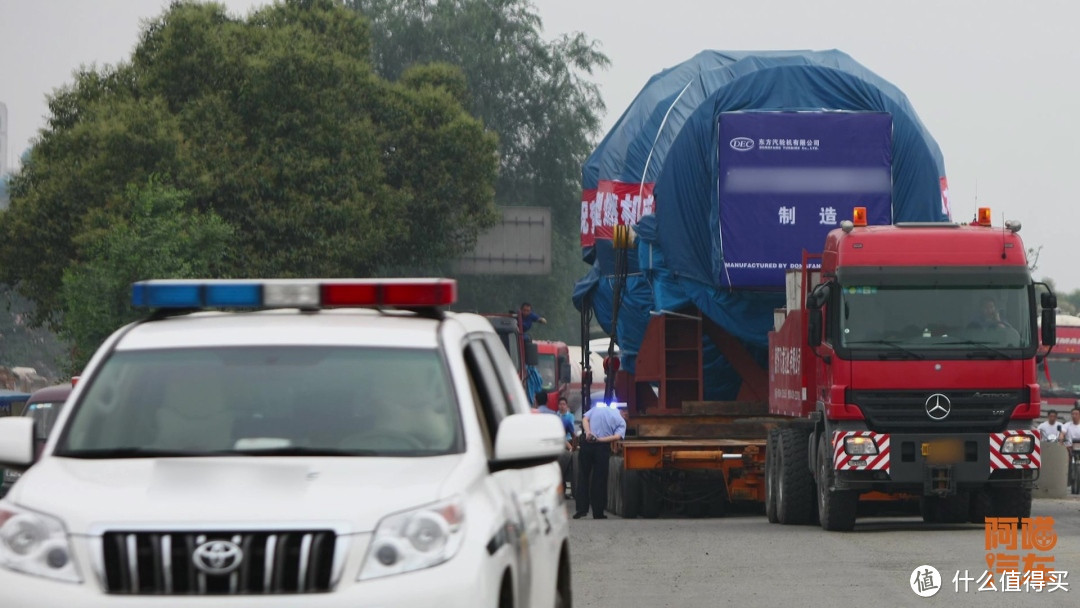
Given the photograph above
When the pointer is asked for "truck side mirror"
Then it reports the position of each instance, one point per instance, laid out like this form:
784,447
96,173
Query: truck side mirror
1049,325
564,372
1048,300
532,353
813,327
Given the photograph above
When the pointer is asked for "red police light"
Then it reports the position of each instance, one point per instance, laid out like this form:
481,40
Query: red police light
400,293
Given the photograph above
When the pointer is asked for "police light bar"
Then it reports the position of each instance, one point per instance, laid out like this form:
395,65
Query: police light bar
293,293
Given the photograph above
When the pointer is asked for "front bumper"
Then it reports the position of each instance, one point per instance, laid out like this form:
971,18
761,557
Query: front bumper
906,462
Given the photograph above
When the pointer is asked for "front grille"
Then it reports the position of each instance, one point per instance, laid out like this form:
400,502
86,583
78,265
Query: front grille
208,563
904,411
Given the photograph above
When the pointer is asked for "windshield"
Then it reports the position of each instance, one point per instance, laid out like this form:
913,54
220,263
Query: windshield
286,400
510,341
44,415
1064,378
546,365
976,321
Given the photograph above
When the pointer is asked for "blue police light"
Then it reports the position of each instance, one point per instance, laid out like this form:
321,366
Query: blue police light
167,295
293,293
229,295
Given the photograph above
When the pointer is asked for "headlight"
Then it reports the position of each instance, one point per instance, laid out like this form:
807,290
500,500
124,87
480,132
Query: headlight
1017,444
416,539
860,446
35,544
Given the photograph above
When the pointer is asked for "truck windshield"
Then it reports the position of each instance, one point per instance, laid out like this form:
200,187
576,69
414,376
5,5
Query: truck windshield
296,400
546,366
1064,377
990,322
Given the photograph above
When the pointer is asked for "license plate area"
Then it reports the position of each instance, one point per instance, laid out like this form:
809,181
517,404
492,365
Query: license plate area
945,451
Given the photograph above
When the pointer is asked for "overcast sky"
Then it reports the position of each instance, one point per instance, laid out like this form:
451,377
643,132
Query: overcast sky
997,82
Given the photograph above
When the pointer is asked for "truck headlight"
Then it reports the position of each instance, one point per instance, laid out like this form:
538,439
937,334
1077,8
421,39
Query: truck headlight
36,544
860,446
417,539
1018,444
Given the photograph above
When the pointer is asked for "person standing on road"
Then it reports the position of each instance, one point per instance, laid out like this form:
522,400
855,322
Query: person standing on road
1050,430
1070,436
566,458
602,426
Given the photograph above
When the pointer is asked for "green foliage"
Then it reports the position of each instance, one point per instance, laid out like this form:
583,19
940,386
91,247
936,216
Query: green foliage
275,127
157,238
536,95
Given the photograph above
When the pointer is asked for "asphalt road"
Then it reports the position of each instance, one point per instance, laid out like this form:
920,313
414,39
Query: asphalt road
742,560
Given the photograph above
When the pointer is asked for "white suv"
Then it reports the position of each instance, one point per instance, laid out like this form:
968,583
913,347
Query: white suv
328,443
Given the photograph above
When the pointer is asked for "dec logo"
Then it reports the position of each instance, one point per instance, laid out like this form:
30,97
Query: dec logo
742,144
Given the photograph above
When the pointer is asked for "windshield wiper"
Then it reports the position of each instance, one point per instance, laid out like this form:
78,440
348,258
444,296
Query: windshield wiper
997,353
897,349
127,452
294,450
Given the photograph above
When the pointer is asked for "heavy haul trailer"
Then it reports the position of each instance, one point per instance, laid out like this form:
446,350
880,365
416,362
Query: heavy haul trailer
891,380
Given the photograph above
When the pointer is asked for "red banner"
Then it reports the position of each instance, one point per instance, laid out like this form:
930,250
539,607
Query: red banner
612,204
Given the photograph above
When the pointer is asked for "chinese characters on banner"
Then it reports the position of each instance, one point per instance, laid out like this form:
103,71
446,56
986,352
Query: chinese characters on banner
787,178
1018,558
613,204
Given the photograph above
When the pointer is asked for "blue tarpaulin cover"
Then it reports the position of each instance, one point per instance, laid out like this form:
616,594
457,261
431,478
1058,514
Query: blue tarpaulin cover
667,142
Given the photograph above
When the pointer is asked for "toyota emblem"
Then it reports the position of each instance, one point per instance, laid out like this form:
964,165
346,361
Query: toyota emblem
217,556
938,406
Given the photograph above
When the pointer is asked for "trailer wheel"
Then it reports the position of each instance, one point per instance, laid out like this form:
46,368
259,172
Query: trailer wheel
1010,502
837,509
771,448
795,495
631,493
650,496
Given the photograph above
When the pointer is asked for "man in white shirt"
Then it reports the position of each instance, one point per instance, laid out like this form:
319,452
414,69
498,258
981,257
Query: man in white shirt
1051,428
1070,433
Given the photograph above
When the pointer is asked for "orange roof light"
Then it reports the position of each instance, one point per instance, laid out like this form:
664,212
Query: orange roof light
984,216
859,216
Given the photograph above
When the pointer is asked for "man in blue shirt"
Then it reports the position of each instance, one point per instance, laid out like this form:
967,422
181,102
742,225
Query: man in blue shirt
528,317
602,426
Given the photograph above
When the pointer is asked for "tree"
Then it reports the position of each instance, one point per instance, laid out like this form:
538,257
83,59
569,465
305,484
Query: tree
156,238
536,95
276,125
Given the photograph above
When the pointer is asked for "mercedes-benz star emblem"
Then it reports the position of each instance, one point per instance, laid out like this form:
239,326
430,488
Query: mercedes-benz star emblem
217,556
938,406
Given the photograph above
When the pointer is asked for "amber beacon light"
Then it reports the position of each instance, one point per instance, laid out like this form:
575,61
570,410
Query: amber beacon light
984,216
858,217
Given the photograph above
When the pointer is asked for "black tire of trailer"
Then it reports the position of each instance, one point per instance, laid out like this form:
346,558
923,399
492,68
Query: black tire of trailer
631,493
796,498
1009,502
837,509
651,500
771,447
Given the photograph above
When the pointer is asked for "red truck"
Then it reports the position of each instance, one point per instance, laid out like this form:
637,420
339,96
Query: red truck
553,363
1059,373
886,378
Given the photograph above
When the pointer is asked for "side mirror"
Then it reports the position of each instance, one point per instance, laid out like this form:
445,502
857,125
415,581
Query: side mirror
564,372
813,327
1049,324
532,353
1048,300
528,440
17,442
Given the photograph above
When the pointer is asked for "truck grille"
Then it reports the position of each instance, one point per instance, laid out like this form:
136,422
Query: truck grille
905,411
218,563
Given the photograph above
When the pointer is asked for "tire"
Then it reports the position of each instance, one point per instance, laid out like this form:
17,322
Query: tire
1010,502
978,507
718,503
771,448
650,496
929,510
955,509
837,509
631,493
795,498
563,586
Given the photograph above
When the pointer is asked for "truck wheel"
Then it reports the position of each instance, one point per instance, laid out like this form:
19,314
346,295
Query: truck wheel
954,509
771,447
650,496
631,493
795,495
837,509
928,508
978,507
1010,502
